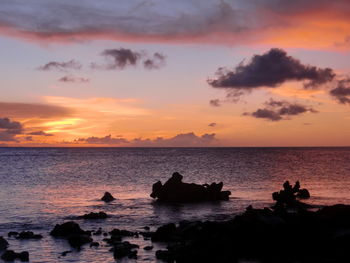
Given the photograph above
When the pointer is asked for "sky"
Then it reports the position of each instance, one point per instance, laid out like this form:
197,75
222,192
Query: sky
159,73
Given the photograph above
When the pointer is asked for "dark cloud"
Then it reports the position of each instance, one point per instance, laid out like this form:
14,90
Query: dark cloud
40,133
213,124
280,110
33,110
342,91
61,66
215,103
9,129
181,140
73,79
270,70
123,57
155,62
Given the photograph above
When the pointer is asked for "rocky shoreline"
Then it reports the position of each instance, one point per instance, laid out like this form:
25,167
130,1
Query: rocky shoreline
289,231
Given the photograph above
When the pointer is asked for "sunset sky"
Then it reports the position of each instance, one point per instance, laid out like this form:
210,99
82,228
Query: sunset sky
175,73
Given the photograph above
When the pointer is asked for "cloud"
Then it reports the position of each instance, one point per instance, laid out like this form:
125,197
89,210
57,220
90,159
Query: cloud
9,129
29,138
280,110
342,91
73,79
61,66
123,57
175,21
102,140
215,103
40,133
33,110
180,140
270,70
213,124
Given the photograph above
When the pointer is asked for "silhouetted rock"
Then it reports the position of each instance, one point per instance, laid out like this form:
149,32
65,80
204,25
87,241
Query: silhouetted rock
3,243
94,244
289,195
148,248
107,197
28,235
78,240
10,255
92,215
174,190
124,249
122,233
67,229
12,234
71,231
64,253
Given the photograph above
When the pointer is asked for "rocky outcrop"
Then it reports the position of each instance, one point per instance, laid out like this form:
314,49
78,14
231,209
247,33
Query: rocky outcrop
28,235
93,215
71,231
107,197
3,243
289,195
10,255
174,190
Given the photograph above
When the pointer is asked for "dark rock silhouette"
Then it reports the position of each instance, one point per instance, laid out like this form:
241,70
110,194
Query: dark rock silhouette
124,249
262,235
10,255
288,197
107,197
71,231
174,190
28,235
3,243
12,234
93,215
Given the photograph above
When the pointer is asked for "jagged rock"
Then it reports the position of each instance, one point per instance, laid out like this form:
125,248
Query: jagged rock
28,235
10,255
288,196
92,215
3,243
78,240
174,190
67,229
303,194
122,233
124,249
107,197
12,234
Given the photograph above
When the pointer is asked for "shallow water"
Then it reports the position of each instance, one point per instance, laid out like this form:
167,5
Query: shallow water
40,187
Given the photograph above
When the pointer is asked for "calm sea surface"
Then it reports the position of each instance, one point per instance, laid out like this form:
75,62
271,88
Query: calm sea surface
40,187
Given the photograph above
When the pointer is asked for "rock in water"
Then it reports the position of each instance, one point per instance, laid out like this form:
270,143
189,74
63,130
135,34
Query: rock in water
92,215
174,190
67,229
107,197
3,243
10,255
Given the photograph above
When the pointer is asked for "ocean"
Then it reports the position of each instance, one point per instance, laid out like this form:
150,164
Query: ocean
40,187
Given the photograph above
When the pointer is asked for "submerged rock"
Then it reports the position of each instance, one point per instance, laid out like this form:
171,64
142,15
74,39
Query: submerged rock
10,255
93,215
107,197
3,243
28,235
174,190
124,249
71,231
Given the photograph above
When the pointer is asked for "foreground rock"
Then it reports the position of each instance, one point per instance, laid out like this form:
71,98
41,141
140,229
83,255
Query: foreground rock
174,190
107,197
261,235
71,231
3,243
10,255
93,215
28,235
124,249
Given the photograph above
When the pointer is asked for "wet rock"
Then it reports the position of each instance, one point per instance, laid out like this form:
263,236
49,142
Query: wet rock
122,233
303,194
94,244
78,240
107,197
148,248
28,235
98,232
147,228
174,190
92,215
3,243
12,234
10,255
124,249
64,253
164,233
67,229
289,195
